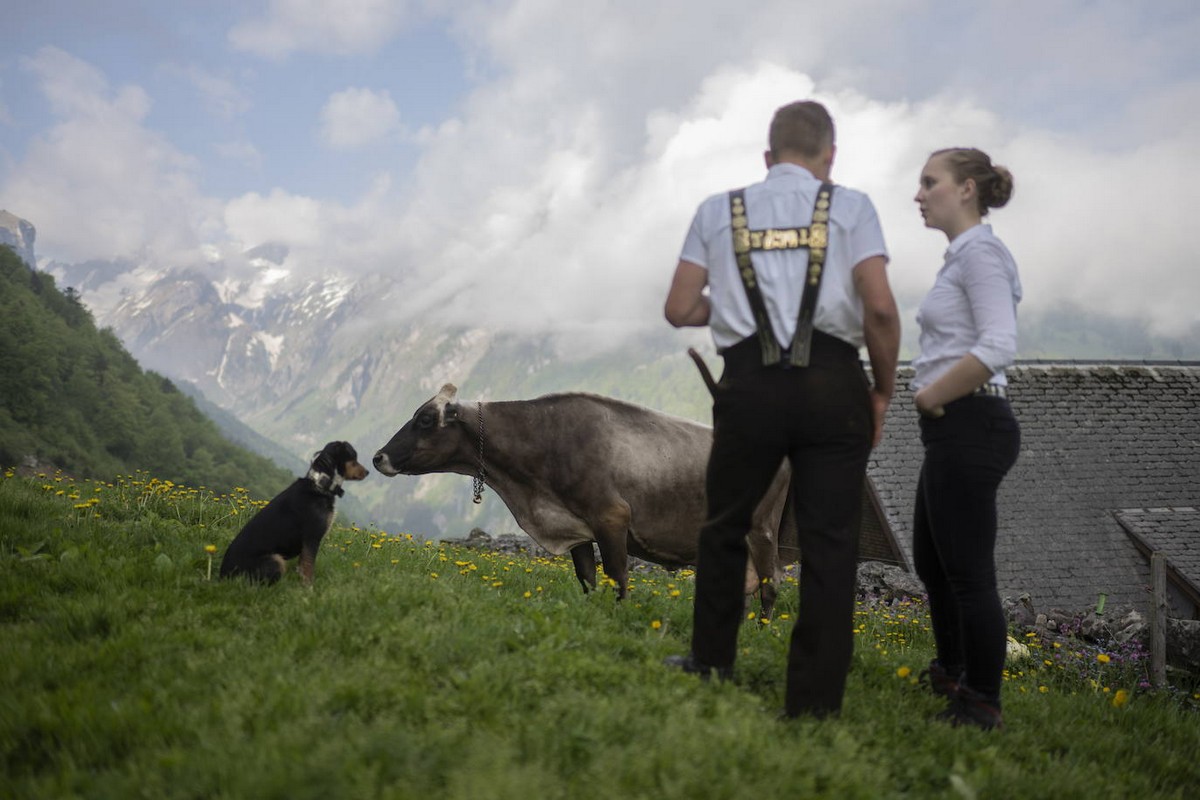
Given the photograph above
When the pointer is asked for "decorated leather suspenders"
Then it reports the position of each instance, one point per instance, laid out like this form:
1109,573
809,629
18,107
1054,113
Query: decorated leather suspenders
815,237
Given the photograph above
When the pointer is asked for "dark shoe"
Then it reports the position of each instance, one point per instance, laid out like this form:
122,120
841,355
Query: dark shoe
968,707
691,665
939,681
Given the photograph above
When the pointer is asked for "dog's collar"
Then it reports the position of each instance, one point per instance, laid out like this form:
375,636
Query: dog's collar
326,483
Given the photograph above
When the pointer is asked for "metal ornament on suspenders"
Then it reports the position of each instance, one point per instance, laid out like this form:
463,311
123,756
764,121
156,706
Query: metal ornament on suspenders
815,238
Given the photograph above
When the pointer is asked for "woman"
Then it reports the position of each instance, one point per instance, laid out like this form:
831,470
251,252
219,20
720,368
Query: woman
968,325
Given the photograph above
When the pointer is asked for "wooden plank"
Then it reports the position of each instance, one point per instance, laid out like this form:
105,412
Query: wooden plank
1158,620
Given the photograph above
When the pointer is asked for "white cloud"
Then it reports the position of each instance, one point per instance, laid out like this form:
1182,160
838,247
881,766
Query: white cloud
98,183
1109,231
241,151
558,194
6,117
321,236
356,117
220,94
343,27
566,183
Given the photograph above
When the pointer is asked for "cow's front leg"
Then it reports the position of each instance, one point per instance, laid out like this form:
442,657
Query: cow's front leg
612,530
584,556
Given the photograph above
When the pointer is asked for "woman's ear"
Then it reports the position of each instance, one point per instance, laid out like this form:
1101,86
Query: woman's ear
968,189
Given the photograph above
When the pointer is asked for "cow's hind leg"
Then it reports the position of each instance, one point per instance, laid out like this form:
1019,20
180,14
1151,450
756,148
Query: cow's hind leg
762,572
612,530
584,557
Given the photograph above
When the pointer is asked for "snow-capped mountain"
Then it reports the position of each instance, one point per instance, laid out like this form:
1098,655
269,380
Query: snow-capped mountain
303,360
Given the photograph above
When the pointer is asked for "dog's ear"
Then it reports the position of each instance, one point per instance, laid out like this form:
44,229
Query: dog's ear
323,461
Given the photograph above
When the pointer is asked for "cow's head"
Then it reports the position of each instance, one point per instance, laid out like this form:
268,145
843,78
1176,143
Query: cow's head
434,440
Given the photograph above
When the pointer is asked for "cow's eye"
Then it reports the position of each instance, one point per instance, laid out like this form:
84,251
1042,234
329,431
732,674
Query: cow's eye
427,420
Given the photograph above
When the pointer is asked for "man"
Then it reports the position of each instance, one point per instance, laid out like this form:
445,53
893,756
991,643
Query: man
795,271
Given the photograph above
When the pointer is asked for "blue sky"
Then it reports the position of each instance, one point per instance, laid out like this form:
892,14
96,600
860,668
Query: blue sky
248,115
552,153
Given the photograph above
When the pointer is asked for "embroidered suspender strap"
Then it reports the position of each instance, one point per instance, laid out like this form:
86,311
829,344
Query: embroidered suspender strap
816,239
741,254
818,243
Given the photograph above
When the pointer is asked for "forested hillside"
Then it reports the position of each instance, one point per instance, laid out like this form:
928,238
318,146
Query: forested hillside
72,396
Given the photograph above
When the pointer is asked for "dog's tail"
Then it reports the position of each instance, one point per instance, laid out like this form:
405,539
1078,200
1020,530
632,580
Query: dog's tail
704,373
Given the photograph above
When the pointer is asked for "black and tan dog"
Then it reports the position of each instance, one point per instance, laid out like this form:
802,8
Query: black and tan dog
294,523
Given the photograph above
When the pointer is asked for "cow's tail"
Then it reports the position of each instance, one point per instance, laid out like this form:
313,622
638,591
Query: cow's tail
704,373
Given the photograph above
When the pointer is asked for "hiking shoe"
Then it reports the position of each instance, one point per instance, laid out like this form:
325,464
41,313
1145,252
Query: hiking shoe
969,707
694,666
939,680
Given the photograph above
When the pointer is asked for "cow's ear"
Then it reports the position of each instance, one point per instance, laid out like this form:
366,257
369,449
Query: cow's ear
451,412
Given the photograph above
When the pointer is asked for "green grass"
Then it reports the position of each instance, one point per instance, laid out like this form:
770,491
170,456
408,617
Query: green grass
418,670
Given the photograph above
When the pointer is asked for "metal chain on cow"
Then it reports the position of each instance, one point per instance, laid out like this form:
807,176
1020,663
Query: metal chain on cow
477,481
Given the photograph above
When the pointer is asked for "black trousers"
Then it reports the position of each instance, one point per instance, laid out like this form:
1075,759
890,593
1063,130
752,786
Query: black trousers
819,418
967,454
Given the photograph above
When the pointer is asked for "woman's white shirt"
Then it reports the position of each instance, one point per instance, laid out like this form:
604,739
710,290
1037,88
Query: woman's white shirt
972,308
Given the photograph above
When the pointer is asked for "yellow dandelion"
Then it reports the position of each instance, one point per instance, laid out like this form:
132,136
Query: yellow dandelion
656,624
1120,698
1043,689
1103,658
903,672
210,548
528,594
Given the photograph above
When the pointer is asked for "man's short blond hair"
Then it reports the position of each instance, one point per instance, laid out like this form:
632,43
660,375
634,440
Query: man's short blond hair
803,127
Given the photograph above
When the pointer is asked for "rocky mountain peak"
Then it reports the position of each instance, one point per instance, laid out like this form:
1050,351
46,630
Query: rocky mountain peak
18,234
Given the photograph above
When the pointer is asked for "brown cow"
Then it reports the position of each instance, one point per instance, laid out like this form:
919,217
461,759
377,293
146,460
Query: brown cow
580,468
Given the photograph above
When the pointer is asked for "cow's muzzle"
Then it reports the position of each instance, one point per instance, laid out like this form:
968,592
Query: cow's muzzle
384,464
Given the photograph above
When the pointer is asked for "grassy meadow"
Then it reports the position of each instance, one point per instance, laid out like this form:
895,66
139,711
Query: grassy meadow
414,669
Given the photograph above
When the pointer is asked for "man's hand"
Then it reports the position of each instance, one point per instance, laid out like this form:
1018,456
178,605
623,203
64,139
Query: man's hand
879,407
